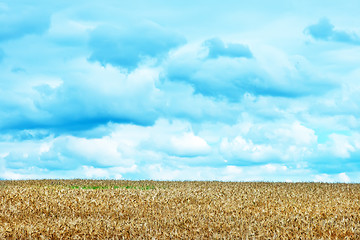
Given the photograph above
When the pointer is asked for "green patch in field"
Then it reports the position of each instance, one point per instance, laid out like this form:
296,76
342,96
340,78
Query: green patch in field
113,187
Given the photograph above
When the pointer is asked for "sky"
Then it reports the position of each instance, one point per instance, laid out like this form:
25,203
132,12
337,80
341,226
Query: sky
180,90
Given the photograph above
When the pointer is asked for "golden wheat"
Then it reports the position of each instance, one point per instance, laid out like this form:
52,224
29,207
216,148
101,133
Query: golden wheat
106,209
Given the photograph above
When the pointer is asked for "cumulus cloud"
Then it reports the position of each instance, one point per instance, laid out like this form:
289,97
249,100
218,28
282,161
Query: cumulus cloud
116,154
20,18
324,30
338,153
244,151
217,48
104,92
189,145
220,78
230,78
104,173
85,95
79,101
265,142
66,31
192,106
295,134
175,139
342,146
268,172
344,178
175,150
65,153
101,152
128,46
333,178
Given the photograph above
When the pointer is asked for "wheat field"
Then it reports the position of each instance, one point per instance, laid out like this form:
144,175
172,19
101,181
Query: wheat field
109,209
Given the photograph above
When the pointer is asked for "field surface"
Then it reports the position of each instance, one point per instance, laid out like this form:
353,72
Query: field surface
106,209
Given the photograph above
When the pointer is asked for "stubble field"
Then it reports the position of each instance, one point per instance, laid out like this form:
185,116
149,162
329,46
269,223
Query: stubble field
106,209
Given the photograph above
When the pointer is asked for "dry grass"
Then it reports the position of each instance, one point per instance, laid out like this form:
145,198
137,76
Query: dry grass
62,209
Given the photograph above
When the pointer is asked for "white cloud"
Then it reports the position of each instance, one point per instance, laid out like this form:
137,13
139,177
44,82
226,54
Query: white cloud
295,134
268,172
239,148
13,176
166,111
91,172
344,178
104,173
273,168
323,178
341,177
189,145
341,146
233,170
103,151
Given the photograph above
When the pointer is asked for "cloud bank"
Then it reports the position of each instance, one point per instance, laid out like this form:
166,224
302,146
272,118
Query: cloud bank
22,18
324,30
139,91
217,49
124,48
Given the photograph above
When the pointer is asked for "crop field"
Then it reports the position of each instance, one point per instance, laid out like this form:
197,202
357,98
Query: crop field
109,209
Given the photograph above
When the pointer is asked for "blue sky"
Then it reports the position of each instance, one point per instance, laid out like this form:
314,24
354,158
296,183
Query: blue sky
180,90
